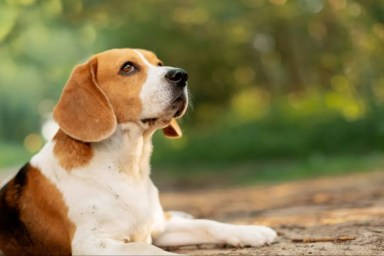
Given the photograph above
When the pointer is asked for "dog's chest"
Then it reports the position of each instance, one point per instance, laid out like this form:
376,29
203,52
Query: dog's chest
114,204
107,196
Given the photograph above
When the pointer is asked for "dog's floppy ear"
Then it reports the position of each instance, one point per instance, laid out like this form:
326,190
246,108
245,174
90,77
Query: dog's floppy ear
84,111
172,130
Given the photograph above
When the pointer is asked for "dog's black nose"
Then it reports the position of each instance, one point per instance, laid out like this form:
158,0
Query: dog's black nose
177,76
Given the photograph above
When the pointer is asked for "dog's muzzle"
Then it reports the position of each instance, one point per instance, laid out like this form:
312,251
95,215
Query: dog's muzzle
178,77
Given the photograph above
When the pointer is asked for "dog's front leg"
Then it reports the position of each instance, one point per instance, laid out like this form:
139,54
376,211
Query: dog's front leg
184,231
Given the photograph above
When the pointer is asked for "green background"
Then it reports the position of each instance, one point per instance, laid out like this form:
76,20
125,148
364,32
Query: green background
280,89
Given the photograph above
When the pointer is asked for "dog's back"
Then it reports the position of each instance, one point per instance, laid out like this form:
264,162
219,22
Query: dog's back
22,230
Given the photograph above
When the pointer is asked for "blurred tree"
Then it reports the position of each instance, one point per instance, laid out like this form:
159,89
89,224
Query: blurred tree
315,54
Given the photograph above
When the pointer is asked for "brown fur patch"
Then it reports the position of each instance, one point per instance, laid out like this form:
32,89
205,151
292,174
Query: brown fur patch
122,91
33,216
70,152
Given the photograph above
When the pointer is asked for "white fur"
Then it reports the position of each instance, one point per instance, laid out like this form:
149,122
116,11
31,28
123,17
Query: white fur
113,202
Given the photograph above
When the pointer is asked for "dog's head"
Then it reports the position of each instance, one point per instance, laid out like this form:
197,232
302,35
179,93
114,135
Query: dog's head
120,86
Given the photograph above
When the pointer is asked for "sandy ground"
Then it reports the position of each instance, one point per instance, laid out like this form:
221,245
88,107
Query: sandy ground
348,207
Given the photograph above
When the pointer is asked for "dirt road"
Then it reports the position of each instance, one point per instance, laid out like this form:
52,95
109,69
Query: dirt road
348,210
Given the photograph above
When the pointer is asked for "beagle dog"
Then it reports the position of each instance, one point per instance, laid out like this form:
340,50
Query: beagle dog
88,191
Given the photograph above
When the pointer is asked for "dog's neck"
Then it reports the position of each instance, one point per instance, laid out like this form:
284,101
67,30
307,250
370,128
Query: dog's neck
129,148
127,151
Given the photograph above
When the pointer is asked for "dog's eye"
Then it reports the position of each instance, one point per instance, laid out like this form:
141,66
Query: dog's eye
127,68
159,64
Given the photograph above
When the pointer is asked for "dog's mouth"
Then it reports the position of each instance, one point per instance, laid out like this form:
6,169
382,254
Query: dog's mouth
178,106
149,121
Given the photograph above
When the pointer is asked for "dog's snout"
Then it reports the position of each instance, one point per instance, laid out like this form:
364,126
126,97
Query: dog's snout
177,76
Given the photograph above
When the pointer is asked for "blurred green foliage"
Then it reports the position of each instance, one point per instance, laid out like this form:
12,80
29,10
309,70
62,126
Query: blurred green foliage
270,79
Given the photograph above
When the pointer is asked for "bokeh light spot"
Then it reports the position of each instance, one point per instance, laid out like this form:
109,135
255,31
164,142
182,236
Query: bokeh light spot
244,75
33,142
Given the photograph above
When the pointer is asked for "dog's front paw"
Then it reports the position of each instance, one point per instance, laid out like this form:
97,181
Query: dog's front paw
240,236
